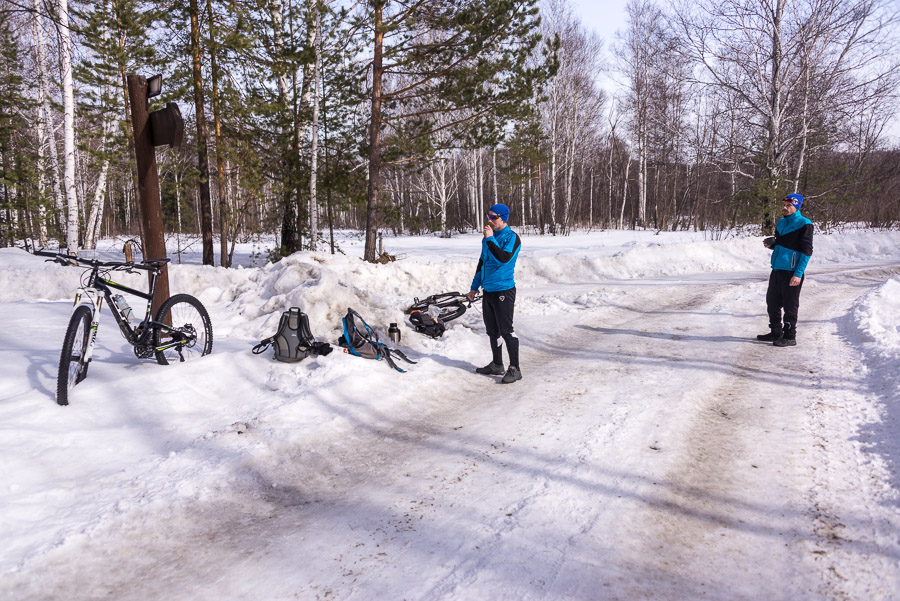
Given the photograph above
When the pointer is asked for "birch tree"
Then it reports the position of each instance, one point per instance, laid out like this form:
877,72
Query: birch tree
65,63
786,59
47,137
314,126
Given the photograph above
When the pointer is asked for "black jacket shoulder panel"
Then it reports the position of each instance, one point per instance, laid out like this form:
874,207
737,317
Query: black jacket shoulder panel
504,255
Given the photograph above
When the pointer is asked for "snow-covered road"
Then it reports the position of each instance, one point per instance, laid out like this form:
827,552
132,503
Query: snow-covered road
654,450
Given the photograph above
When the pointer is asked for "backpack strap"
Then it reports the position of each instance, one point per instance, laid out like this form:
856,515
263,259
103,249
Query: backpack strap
390,361
260,348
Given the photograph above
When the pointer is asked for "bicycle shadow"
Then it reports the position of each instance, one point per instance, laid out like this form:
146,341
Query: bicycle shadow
43,366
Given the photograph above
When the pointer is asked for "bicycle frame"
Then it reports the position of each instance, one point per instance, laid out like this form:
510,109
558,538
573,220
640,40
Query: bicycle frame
98,288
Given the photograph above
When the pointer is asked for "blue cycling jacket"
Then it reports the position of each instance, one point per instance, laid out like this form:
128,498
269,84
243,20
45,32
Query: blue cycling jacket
497,264
793,244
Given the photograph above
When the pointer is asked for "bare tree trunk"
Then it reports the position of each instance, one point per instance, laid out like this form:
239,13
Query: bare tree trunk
624,192
522,198
375,136
553,128
290,212
591,199
65,51
494,172
570,166
804,131
217,125
178,214
540,211
473,191
45,120
480,186
609,175
41,186
314,142
95,216
202,157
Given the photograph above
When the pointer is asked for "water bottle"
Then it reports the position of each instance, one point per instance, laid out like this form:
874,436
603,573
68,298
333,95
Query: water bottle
394,333
124,308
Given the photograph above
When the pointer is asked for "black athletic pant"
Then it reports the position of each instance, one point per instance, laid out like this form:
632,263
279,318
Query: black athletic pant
781,295
498,308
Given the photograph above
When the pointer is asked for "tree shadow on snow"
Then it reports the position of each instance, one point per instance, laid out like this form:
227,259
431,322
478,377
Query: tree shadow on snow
693,358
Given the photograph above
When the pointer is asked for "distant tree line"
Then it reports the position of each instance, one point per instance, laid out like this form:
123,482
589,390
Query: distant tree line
303,116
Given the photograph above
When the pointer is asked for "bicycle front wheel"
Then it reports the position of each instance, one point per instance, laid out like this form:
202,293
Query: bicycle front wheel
73,365
182,330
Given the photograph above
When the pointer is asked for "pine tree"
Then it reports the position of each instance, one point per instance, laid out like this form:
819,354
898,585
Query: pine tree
467,61
16,159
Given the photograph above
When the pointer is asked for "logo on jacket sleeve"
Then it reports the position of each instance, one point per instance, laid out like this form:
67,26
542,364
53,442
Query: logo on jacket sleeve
502,297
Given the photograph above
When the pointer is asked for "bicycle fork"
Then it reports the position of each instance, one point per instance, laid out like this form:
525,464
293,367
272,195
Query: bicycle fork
96,300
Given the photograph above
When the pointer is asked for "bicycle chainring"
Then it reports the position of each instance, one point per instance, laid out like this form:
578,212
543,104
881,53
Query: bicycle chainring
144,351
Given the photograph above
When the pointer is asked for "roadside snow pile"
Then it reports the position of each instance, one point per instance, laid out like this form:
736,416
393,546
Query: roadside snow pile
877,316
325,285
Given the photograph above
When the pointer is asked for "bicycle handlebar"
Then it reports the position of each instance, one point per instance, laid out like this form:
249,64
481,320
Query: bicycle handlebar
64,259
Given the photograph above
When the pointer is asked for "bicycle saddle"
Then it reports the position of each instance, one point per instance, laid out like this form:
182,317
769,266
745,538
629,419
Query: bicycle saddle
155,261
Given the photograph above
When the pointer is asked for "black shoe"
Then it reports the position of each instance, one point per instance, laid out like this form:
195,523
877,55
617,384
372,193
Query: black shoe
785,342
769,337
491,369
512,375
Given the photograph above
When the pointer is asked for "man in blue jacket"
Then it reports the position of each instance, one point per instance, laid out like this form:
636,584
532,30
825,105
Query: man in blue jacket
495,275
791,247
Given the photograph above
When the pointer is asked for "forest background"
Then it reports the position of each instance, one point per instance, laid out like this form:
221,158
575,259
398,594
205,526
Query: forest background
415,116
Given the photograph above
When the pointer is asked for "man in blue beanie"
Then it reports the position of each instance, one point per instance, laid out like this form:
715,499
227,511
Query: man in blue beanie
792,246
495,275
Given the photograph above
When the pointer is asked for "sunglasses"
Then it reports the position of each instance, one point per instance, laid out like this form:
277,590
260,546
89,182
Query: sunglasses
492,217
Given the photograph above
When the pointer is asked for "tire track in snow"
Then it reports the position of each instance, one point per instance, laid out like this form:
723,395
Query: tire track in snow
574,473
774,493
356,490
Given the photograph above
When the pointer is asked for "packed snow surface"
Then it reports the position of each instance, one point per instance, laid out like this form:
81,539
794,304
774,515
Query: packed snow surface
653,450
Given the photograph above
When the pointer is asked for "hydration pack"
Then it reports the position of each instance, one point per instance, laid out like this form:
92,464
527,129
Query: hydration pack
361,340
293,341
425,323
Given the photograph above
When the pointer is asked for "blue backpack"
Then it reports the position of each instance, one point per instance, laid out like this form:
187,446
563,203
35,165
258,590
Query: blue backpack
361,340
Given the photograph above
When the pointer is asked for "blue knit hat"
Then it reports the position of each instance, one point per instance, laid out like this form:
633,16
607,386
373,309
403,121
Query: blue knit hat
794,199
501,210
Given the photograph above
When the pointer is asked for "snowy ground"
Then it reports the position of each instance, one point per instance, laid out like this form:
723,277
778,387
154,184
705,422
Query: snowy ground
654,449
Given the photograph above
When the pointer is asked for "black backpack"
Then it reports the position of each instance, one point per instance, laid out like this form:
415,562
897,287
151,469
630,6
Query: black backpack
361,340
430,315
293,341
424,323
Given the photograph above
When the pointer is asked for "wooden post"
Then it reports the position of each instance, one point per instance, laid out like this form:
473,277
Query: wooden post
154,243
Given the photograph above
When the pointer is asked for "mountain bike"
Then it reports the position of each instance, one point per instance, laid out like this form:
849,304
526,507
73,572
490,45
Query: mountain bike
181,329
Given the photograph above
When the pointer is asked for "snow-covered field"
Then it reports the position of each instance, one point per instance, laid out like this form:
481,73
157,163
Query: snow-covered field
653,450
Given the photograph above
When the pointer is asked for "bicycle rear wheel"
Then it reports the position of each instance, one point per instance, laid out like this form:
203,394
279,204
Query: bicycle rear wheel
184,331
73,366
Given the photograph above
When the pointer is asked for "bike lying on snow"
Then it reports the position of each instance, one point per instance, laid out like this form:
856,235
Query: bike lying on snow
180,331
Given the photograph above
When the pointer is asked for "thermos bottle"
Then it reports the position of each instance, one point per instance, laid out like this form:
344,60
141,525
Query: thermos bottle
394,333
